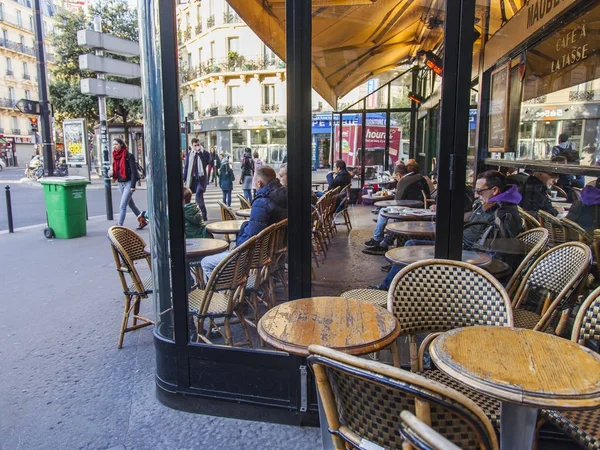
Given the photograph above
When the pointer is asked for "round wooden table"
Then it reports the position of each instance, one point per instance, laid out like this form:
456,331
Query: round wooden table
409,214
225,227
407,203
348,325
403,256
370,199
243,212
412,228
524,369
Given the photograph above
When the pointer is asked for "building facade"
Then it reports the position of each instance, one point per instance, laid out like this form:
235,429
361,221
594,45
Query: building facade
18,75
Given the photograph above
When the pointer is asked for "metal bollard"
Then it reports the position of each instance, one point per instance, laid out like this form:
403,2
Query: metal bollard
9,216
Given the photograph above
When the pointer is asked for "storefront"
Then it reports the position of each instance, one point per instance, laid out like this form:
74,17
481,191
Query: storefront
321,140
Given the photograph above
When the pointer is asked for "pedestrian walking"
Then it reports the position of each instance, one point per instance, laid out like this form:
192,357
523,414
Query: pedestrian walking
258,163
124,171
218,158
226,179
195,176
211,172
247,173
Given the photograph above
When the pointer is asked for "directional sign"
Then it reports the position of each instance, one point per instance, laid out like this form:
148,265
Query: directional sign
94,86
109,66
29,106
111,44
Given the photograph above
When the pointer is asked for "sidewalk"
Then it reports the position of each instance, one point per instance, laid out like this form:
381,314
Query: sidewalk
65,385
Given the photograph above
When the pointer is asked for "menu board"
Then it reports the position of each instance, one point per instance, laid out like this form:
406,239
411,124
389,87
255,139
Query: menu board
498,111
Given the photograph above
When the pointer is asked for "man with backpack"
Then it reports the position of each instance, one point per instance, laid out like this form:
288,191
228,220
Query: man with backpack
569,152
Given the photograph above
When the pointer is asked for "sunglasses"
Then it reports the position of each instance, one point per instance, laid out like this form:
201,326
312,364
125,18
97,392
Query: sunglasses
479,191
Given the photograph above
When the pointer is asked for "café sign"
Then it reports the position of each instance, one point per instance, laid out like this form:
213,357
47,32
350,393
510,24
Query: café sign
573,47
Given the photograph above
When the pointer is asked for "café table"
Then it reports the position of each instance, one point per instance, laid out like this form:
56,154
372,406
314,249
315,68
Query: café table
526,370
225,227
409,214
372,198
416,229
403,256
243,212
407,203
347,325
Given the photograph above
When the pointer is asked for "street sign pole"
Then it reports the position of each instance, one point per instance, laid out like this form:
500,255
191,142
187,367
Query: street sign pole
104,135
43,91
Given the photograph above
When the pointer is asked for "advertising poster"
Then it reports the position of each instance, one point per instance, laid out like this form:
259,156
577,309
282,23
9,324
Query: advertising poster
375,144
75,142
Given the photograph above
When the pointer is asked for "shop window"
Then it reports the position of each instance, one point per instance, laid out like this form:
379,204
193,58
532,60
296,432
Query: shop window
239,141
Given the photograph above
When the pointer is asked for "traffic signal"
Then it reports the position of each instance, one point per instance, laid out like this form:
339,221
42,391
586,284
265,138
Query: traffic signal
33,124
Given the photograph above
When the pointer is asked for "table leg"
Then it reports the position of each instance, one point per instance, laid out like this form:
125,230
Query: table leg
325,434
517,426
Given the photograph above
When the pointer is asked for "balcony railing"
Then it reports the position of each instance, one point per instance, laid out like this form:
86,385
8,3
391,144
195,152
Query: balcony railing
210,22
8,103
26,76
239,63
199,27
16,131
269,108
235,109
187,34
229,17
17,47
10,73
14,21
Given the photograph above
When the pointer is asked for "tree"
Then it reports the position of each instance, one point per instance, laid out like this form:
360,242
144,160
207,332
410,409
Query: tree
65,93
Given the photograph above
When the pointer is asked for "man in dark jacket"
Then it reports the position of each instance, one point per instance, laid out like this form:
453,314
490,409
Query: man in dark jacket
342,176
586,212
535,193
194,173
269,207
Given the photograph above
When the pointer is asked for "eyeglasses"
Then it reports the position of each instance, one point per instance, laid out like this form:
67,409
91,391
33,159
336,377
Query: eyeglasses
479,191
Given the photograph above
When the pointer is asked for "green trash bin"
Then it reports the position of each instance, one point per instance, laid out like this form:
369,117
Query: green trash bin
65,206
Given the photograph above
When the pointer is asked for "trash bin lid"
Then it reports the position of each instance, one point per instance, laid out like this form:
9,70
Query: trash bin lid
63,181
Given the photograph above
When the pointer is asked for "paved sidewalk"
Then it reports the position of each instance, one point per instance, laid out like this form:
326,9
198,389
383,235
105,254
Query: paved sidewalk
65,385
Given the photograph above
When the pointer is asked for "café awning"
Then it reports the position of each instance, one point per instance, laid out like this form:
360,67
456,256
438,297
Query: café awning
354,40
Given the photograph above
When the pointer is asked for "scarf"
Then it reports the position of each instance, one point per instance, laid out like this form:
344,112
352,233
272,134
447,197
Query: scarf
120,164
190,164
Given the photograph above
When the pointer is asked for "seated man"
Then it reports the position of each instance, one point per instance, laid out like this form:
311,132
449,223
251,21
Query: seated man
586,212
411,186
495,215
269,207
535,193
342,176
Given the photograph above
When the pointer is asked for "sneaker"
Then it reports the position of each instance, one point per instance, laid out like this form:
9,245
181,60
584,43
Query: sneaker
375,250
372,243
377,287
141,222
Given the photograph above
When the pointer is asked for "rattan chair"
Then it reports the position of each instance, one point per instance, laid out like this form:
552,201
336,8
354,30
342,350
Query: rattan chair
536,241
574,232
226,214
280,254
548,285
363,401
582,426
576,194
421,436
529,222
375,296
222,296
244,203
128,248
342,210
554,227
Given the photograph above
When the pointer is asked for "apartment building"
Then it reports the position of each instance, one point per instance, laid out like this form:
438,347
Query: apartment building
18,75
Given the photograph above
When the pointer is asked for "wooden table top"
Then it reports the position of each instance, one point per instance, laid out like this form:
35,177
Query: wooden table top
200,247
410,214
409,203
225,227
412,228
507,246
376,198
403,256
348,325
524,367
243,212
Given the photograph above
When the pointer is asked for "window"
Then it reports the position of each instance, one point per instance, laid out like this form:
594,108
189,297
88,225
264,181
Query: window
11,93
31,23
19,19
233,95
233,44
212,50
211,7
214,97
9,69
4,36
200,56
189,60
27,94
22,41
25,70
268,54
15,123
1,11
268,94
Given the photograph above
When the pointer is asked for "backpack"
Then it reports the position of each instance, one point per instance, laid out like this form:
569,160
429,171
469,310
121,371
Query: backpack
248,165
569,153
141,171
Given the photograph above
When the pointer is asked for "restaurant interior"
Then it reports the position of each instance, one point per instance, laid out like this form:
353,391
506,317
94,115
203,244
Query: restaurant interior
444,331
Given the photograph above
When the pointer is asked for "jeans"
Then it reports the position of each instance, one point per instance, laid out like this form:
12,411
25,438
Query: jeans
200,202
248,194
227,197
380,227
395,269
126,199
210,262
210,169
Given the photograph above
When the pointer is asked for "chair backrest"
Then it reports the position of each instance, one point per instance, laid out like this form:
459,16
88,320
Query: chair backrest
574,232
576,194
536,241
553,276
553,225
529,222
264,247
245,204
128,247
440,295
363,401
226,212
560,191
421,435
596,245
587,322
230,276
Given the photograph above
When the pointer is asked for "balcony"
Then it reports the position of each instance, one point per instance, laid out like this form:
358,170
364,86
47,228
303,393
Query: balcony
10,103
17,47
210,22
229,17
16,131
234,63
10,74
26,76
187,34
269,108
198,28
235,109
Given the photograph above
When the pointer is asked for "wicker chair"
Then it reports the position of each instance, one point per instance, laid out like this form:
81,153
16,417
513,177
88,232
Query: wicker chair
529,222
582,426
222,296
554,227
421,435
343,209
128,247
548,285
363,401
244,203
226,214
576,194
536,241
375,296
280,253
574,232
